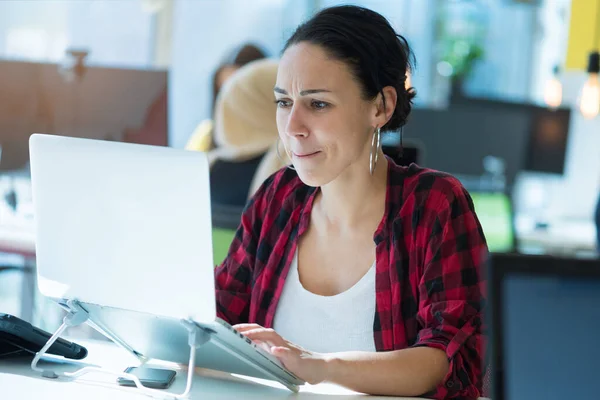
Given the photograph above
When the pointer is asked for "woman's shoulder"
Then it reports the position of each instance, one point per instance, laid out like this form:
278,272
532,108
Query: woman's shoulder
428,200
419,185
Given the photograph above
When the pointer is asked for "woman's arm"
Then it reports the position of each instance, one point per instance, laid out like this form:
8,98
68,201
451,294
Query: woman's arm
408,372
451,289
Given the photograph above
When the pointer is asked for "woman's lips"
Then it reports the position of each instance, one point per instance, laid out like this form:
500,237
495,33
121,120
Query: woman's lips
305,155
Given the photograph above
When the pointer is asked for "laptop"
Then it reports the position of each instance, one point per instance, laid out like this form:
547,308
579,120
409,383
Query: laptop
125,229
544,319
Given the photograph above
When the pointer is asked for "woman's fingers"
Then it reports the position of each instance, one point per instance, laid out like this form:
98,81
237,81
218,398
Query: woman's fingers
245,327
257,333
263,345
265,335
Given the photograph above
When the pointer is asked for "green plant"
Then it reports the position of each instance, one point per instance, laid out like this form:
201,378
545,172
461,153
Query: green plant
461,54
462,29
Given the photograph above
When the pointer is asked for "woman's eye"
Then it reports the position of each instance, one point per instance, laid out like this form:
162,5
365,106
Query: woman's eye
319,105
282,103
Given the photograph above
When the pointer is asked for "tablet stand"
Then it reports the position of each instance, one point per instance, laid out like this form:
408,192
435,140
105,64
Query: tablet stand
76,315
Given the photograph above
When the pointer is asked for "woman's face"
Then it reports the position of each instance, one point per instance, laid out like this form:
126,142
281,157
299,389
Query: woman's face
322,118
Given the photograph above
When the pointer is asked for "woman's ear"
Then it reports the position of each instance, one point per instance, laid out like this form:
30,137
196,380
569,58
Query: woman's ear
385,110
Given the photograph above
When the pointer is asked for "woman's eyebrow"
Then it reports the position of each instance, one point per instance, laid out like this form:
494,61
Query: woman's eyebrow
302,93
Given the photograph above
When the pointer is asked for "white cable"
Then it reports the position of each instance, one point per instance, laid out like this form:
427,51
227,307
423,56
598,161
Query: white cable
77,316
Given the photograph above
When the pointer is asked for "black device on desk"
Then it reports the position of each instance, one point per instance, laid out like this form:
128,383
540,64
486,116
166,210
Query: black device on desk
545,319
18,337
155,378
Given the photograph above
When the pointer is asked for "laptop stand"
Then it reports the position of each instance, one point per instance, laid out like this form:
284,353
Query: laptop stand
77,315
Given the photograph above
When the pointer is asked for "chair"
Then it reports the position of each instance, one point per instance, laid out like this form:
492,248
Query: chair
230,184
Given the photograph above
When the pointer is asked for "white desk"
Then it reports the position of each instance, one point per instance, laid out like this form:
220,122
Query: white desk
571,237
18,381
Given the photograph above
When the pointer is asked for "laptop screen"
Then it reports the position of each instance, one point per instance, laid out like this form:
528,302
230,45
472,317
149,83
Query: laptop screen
551,327
494,211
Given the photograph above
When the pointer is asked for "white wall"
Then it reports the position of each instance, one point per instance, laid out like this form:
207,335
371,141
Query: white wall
550,43
34,31
117,33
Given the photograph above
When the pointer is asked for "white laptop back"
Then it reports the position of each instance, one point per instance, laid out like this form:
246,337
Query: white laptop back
123,225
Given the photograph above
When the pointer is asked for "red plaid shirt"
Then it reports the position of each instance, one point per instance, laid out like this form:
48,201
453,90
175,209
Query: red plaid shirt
430,252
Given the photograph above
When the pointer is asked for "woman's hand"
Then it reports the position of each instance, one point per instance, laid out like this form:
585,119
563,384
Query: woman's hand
306,365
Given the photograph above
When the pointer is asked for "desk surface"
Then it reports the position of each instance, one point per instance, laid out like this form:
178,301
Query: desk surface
18,381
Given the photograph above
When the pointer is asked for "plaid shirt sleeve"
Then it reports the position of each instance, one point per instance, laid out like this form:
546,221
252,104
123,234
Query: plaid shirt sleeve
233,277
451,289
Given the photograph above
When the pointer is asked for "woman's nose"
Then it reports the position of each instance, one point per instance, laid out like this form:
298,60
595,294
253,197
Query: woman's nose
295,124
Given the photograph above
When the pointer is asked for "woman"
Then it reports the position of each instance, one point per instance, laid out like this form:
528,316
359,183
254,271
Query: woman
201,139
350,268
244,133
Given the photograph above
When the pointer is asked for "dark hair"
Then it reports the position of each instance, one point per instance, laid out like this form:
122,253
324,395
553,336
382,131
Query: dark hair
367,43
238,57
245,54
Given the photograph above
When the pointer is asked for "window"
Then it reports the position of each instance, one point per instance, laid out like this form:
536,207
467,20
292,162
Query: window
116,33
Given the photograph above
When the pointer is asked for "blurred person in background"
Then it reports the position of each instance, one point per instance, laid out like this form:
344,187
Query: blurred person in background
244,131
201,139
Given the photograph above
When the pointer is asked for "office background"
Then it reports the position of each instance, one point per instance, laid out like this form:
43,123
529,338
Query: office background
141,70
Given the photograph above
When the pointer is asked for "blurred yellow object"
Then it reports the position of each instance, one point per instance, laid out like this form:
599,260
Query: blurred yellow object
201,139
581,32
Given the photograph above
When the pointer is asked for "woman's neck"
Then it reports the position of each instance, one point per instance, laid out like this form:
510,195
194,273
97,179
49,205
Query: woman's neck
353,197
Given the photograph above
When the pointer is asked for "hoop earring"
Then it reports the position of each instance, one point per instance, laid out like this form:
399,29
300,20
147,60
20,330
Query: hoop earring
290,166
374,154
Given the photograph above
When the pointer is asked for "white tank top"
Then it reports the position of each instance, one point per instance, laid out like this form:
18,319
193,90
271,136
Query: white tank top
327,324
